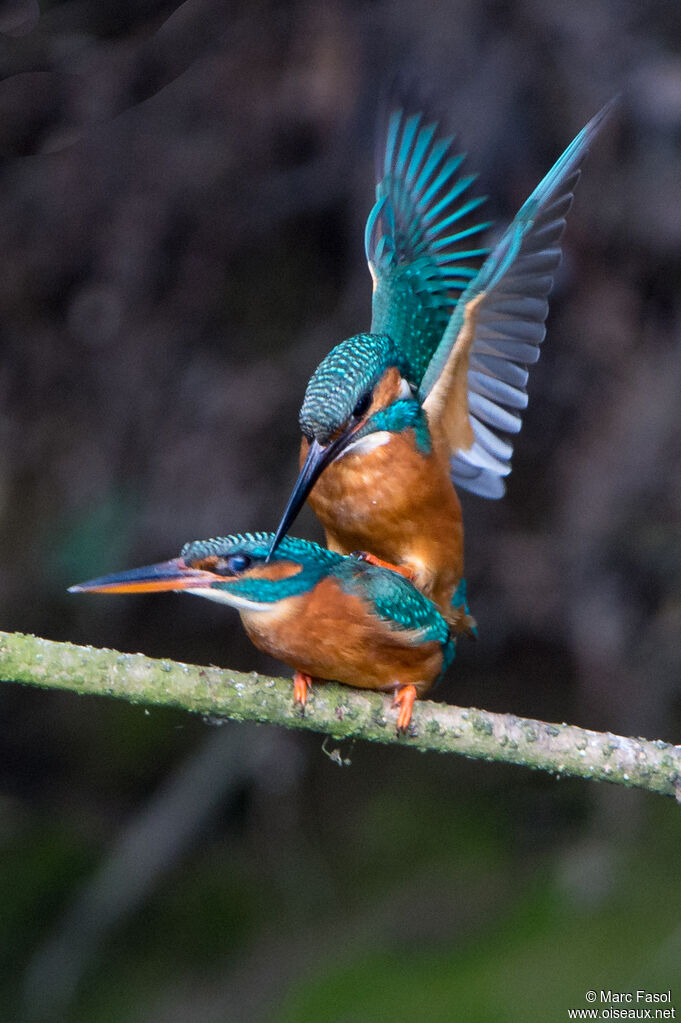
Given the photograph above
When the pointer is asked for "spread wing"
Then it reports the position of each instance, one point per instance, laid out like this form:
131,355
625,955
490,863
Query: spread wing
419,240
475,383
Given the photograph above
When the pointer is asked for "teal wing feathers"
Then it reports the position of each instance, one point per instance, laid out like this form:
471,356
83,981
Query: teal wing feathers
419,241
515,279
394,600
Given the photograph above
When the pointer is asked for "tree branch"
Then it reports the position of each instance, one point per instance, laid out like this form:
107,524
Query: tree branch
343,713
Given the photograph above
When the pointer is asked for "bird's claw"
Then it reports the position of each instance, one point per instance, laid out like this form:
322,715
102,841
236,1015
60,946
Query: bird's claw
404,699
302,684
371,559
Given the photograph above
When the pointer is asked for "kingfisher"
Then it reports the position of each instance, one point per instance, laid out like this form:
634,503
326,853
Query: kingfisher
394,419
325,615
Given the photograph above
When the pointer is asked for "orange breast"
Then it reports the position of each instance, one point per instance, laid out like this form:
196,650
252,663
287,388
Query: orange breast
399,504
330,634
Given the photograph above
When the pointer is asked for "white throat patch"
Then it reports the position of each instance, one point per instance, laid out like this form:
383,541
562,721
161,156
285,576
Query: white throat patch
405,390
223,597
366,444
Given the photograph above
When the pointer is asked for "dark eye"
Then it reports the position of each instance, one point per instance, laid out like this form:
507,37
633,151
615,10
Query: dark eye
362,405
232,565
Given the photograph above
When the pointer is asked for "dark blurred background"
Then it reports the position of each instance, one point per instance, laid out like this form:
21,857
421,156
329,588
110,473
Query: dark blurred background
183,193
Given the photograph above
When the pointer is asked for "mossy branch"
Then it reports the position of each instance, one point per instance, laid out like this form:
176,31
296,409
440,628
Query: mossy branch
343,713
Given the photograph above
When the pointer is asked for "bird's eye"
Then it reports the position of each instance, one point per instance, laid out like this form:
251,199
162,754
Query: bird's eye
232,565
362,405
239,562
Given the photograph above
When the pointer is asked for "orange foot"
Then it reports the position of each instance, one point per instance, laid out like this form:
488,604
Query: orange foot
373,560
404,699
302,684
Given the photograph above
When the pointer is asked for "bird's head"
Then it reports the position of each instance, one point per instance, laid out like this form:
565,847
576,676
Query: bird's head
356,397
356,378
232,570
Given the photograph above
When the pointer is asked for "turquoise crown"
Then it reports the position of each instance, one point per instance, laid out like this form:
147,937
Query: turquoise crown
342,379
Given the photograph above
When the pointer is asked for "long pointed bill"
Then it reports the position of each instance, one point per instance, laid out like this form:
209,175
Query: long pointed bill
318,457
167,575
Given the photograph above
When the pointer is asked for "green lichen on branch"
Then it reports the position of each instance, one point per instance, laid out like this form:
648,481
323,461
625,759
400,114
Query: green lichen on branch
343,713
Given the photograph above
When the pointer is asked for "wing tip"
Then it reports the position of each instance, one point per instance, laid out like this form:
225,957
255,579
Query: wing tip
482,483
603,114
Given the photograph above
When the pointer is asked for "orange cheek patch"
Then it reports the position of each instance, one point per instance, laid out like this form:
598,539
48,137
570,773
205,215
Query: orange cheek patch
386,390
208,564
278,570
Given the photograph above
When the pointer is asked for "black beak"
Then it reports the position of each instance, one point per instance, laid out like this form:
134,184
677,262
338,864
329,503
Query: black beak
318,457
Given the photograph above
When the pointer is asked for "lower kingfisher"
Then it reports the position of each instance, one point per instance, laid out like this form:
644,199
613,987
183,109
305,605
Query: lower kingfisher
325,615
387,433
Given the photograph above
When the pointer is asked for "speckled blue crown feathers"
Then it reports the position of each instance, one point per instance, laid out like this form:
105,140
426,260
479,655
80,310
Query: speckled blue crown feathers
347,372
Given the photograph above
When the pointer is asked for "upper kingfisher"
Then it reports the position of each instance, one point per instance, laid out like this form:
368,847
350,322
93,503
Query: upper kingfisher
325,615
392,419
